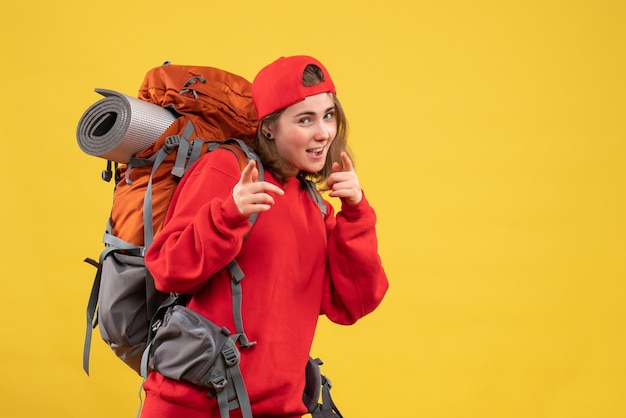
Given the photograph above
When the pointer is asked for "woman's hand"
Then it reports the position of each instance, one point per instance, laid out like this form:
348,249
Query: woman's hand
344,183
251,196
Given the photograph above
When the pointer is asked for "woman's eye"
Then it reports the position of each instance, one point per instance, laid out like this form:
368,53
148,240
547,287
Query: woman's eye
304,121
329,115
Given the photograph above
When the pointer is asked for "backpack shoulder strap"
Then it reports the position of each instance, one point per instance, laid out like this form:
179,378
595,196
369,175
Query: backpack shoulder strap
315,195
244,154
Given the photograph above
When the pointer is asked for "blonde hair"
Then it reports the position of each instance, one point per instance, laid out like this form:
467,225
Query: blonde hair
266,148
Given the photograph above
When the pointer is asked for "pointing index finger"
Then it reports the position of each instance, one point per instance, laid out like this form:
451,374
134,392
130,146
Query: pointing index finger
247,174
347,162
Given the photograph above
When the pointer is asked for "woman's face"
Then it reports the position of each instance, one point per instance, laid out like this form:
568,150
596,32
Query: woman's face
304,132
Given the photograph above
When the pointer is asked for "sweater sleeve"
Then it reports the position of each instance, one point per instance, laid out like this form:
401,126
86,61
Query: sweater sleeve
203,230
357,281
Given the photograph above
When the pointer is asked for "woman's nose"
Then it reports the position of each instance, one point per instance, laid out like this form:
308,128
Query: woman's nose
322,132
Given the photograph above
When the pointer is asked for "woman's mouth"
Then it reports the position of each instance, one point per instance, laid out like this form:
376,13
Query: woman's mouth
315,152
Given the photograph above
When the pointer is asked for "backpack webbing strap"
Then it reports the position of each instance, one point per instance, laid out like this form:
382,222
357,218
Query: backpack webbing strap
196,150
233,374
181,156
137,162
315,381
193,80
222,402
327,409
148,230
236,273
183,149
91,312
315,195
113,243
235,286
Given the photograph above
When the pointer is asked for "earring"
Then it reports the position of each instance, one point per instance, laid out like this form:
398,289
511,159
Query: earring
268,135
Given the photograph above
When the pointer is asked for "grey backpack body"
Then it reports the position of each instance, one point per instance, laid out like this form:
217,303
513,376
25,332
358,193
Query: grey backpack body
128,300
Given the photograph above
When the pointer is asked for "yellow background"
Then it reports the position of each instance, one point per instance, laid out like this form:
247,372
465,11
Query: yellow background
488,135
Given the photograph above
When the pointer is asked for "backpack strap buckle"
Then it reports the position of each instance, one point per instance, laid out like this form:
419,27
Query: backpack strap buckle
230,356
171,142
218,382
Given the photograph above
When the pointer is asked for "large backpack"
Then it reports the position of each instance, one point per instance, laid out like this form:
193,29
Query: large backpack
210,109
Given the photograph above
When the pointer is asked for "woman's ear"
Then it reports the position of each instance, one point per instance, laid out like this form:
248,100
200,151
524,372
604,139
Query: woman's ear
267,131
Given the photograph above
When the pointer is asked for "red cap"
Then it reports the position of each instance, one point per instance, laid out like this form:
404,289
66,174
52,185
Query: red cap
279,84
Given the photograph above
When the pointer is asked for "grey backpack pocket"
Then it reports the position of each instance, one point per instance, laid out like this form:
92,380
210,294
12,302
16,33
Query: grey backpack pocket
127,300
189,347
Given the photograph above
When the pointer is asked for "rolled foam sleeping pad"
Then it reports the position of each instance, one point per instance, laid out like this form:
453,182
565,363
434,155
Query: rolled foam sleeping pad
118,126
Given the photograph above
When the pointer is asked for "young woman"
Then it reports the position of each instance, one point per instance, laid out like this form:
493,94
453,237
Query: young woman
298,264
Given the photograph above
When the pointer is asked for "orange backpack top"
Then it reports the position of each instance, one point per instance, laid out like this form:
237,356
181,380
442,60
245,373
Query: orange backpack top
212,105
221,102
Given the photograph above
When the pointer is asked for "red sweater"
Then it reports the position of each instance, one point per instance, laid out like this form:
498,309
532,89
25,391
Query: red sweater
297,264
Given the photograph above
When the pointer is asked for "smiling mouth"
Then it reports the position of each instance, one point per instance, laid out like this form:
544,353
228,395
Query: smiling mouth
315,151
